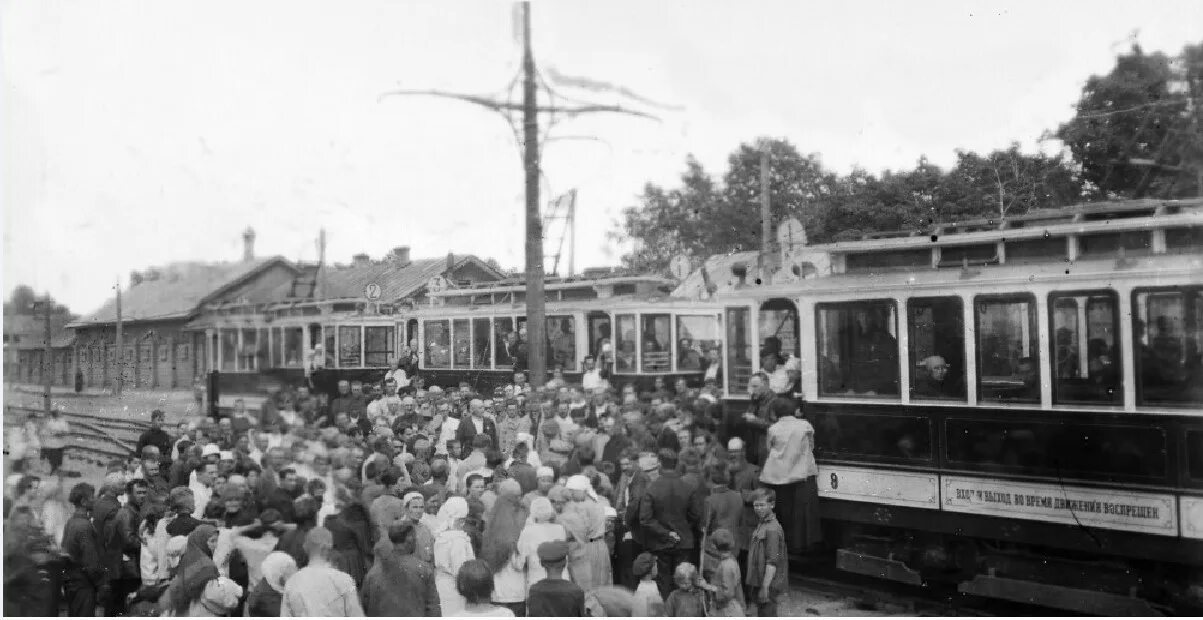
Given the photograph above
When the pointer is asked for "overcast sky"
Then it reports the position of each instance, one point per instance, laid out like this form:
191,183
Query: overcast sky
141,133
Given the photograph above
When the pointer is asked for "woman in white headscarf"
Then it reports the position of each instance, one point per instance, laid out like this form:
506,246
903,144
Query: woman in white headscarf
540,528
585,519
452,548
265,597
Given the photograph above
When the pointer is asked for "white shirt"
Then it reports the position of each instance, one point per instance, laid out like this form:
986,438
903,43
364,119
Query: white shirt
202,494
399,376
791,452
380,407
591,380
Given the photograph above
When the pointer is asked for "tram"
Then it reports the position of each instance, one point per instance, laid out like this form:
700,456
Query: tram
1016,405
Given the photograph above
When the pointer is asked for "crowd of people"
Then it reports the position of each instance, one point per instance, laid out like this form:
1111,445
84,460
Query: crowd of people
551,500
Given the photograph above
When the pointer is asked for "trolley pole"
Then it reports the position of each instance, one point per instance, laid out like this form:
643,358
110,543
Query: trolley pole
535,323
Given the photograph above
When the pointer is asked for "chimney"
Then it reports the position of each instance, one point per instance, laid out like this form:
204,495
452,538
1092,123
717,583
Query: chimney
401,255
450,263
248,244
135,279
360,260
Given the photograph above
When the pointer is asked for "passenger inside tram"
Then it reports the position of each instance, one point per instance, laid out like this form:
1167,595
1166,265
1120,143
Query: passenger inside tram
935,380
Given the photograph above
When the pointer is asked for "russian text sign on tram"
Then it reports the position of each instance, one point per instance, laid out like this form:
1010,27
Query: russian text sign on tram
1113,509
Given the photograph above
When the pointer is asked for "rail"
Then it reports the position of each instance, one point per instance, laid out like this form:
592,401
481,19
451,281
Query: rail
89,430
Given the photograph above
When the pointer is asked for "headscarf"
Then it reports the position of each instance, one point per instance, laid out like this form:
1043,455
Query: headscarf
277,567
195,571
220,596
452,510
581,483
541,511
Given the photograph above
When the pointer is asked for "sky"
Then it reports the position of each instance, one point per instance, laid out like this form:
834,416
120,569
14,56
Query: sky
138,133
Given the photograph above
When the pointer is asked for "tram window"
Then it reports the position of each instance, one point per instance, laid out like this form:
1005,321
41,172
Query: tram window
1168,325
845,434
294,350
462,355
779,328
437,341
229,349
480,343
739,349
249,354
1086,360
377,346
331,350
626,357
657,343
1008,363
601,346
561,342
503,326
1194,454
276,357
696,337
350,348
937,348
858,349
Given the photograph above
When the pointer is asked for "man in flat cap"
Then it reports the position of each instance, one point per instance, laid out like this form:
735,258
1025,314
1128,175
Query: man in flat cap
555,596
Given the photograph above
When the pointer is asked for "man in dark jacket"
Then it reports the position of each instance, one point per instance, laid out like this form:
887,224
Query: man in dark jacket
669,512
473,425
104,524
84,578
157,437
637,474
123,549
400,584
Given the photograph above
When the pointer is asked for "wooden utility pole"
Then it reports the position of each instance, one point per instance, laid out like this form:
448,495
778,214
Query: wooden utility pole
766,217
535,323
120,355
47,351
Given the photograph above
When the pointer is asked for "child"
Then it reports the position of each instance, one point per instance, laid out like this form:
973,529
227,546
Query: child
768,563
648,601
724,508
727,581
688,600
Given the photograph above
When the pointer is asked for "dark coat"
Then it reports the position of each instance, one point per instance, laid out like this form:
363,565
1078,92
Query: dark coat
467,431
400,586
669,504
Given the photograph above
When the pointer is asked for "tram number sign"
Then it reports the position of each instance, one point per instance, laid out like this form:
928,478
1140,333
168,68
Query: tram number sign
835,481
372,291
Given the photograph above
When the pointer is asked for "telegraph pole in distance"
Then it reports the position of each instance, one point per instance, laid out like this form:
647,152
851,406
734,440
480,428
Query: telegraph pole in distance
530,109
535,323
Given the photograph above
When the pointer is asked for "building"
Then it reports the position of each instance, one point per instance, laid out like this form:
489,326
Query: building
25,346
159,352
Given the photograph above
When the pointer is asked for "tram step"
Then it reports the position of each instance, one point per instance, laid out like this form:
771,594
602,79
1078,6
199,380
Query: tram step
1057,597
876,566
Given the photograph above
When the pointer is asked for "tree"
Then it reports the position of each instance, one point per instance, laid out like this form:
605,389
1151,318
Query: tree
20,301
670,222
1009,182
1136,131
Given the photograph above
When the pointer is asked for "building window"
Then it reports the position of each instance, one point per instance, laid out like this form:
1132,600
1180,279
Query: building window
462,336
350,347
1086,360
739,349
437,342
696,336
561,342
1168,326
858,349
183,352
378,346
625,360
1008,363
937,348
657,340
481,351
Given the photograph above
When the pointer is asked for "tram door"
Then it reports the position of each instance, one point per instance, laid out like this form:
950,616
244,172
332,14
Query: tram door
600,341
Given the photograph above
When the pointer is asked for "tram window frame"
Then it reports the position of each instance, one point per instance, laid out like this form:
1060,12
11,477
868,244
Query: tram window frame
445,325
1091,296
557,320
499,338
356,334
228,339
820,340
952,359
461,334
619,340
1033,345
670,349
388,350
479,362
716,325
1142,396
248,352
738,358
298,350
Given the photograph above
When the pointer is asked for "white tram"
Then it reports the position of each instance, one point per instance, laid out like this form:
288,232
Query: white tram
1005,402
